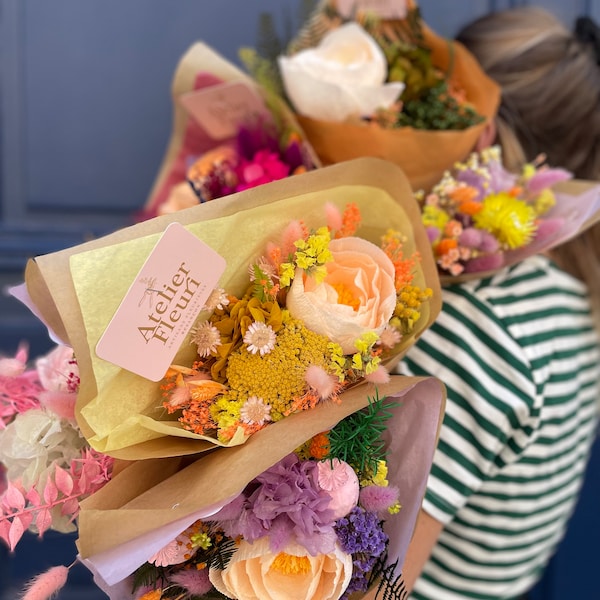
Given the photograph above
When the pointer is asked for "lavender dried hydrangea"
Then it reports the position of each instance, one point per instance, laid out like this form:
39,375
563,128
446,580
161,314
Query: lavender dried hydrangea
285,503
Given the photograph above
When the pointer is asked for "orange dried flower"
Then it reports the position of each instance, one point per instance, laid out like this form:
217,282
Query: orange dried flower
153,595
516,191
470,207
445,246
197,418
309,400
319,446
350,221
462,194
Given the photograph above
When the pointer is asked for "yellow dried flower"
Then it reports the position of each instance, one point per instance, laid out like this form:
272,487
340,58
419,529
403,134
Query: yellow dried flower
278,377
510,220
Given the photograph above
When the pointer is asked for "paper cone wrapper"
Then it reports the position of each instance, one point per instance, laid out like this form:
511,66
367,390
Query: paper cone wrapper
199,68
423,155
78,290
151,502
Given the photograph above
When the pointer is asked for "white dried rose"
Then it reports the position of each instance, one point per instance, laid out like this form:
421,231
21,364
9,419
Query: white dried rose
344,76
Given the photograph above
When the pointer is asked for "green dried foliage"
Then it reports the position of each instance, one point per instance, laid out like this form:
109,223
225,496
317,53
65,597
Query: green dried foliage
437,109
357,439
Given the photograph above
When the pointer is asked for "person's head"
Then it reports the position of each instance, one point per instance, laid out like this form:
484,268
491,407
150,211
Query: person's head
550,82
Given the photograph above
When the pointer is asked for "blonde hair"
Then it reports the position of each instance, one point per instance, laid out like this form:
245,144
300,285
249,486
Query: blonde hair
550,105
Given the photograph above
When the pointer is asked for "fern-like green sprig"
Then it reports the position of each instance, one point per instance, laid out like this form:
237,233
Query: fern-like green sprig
357,439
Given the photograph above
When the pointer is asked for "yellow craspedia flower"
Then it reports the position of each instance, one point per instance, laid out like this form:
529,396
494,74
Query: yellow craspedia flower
510,220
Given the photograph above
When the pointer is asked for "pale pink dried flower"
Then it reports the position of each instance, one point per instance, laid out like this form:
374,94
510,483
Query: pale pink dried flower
379,376
322,382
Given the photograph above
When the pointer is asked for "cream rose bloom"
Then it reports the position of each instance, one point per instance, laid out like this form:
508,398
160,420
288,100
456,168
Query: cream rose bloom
357,296
255,573
344,76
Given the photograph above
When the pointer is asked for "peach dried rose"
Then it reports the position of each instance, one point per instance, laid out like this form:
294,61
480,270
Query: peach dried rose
357,295
255,571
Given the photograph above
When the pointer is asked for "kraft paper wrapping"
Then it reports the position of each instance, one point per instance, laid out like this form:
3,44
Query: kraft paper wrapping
423,155
150,502
78,290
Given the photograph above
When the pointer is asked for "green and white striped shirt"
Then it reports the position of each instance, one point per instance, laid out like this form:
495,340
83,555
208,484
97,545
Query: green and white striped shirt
521,362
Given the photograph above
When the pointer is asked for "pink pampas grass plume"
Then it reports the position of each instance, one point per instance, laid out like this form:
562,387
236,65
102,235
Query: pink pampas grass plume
375,498
194,581
46,585
321,381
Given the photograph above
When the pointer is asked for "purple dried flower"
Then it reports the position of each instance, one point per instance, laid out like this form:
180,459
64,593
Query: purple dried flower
489,262
259,137
360,533
293,156
286,502
501,180
470,237
433,233
546,178
488,242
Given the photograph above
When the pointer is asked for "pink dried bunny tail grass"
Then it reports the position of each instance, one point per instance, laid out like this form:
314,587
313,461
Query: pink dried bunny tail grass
46,585
334,217
380,375
294,231
323,383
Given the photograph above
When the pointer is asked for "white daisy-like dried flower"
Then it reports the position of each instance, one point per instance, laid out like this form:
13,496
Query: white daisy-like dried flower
218,299
389,337
265,266
260,338
207,338
255,412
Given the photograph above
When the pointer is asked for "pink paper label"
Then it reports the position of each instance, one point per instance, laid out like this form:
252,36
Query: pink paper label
162,304
220,109
386,9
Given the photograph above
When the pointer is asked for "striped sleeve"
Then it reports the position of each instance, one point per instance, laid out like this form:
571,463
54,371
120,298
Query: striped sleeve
493,404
